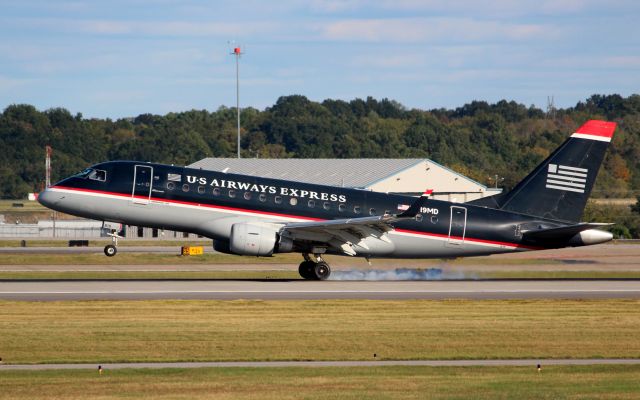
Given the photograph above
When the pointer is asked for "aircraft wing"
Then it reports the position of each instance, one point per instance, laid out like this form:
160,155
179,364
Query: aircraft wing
344,234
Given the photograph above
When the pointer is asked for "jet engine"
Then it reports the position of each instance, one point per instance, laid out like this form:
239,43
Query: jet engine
257,239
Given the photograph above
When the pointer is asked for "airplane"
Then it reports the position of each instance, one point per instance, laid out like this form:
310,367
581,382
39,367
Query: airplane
248,215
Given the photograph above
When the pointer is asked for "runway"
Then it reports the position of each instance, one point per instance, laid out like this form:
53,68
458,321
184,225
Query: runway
312,290
311,364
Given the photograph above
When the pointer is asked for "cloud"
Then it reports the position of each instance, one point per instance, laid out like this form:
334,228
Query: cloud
623,61
389,61
477,9
336,6
153,28
8,83
412,30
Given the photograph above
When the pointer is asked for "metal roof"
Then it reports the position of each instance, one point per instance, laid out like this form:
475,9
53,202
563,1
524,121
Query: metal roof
347,172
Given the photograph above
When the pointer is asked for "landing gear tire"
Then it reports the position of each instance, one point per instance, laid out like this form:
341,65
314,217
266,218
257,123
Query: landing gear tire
306,269
110,250
321,271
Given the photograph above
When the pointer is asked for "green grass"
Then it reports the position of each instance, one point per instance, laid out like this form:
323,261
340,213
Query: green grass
175,275
554,382
27,206
140,259
181,330
151,257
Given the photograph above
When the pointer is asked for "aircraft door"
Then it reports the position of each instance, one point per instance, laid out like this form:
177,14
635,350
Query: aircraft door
457,225
142,183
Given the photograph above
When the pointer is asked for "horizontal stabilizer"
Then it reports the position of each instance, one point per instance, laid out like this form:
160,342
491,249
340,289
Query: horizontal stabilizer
563,232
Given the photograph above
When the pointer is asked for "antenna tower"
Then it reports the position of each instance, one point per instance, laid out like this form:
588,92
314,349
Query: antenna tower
551,107
47,166
237,52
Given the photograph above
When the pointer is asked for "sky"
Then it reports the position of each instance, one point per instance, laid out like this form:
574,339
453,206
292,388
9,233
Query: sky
122,58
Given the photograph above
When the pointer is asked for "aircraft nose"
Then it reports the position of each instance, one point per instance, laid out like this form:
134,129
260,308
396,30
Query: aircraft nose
48,198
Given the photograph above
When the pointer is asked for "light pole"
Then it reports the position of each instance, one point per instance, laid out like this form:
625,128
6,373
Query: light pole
496,180
237,53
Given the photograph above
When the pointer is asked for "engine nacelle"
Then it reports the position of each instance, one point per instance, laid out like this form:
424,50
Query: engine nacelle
221,246
256,239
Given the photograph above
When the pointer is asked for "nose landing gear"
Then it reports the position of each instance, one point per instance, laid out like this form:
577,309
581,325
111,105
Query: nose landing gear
111,250
314,270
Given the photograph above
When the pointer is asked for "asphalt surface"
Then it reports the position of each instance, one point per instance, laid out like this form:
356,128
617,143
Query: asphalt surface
307,290
281,364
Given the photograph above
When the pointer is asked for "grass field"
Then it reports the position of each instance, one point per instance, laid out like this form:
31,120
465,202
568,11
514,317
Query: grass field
554,382
173,275
27,206
140,259
147,258
172,330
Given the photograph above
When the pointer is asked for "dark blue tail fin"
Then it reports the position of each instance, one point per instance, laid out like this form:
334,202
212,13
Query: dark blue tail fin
560,186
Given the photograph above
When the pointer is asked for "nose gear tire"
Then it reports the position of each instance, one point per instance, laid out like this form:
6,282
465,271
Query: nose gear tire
110,250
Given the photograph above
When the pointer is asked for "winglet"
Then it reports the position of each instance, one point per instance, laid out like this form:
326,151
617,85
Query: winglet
596,130
415,207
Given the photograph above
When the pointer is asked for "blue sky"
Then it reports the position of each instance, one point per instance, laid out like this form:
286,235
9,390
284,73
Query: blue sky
123,58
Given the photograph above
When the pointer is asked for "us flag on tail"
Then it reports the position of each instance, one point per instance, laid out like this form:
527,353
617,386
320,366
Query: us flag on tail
563,177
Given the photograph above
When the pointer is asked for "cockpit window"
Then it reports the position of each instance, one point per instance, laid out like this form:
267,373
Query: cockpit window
93,174
84,173
98,175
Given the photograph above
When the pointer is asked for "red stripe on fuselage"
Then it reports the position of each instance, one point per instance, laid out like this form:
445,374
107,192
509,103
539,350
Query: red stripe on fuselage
421,233
187,203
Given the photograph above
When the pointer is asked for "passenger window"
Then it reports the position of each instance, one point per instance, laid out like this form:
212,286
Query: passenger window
278,199
342,207
293,201
356,209
311,203
185,188
434,220
326,205
372,211
247,195
216,191
171,185
201,189
262,197
419,217
232,193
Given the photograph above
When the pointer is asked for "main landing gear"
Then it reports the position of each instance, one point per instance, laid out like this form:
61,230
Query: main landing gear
314,270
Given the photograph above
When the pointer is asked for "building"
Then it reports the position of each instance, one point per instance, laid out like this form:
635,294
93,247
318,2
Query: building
84,229
410,176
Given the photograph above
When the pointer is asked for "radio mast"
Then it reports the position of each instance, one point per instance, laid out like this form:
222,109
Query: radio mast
237,53
47,166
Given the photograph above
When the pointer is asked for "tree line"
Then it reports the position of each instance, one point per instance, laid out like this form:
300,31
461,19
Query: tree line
478,139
